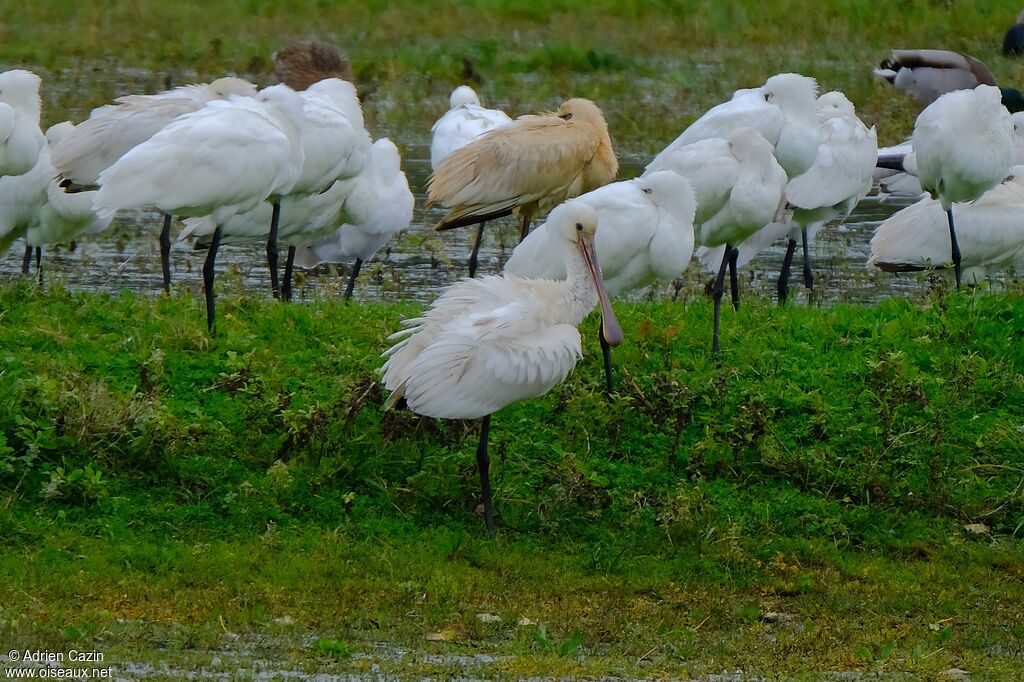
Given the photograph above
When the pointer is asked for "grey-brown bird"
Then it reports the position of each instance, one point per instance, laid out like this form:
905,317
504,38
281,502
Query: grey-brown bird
525,168
308,61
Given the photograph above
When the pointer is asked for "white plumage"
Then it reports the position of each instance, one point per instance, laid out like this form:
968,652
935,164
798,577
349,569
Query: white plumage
645,234
113,129
20,136
465,121
964,145
335,145
783,111
489,342
989,231
220,160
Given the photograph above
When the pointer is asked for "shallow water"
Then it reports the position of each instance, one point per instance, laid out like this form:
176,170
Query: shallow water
416,264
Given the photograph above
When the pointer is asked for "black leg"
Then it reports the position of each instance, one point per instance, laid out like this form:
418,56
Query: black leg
734,286
808,275
484,465
787,262
289,265
39,264
165,252
717,294
275,217
26,261
352,279
606,352
525,230
955,247
476,249
211,256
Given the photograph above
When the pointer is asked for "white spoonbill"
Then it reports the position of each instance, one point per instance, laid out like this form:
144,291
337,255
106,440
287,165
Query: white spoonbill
964,145
739,187
62,216
525,167
378,203
645,234
492,341
305,62
113,129
221,160
783,111
989,232
465,121
20,136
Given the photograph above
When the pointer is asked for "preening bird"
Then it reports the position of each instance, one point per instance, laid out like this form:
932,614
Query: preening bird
221,160
783,111
964,145
112,130
378,203
989,232
464,122
307,61
739,187
526,167
645,234
20,136
489,342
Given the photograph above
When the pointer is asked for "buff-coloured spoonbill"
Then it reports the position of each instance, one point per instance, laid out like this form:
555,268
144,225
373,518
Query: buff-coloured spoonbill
526,167
464,122
489,342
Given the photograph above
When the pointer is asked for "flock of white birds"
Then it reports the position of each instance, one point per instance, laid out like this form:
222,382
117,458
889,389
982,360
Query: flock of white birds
280,165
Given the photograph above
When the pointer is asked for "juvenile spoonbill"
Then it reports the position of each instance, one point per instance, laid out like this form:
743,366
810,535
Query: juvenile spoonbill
465,121
20,136
113,129
989,232
645,234
489,342
220,160
926,75
305,62
378,203
526,167
739,186
964,145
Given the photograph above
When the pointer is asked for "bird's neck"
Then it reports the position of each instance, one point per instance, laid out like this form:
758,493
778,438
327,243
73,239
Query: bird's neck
580,296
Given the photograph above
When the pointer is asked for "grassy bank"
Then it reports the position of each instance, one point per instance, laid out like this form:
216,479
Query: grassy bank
653,66
161,487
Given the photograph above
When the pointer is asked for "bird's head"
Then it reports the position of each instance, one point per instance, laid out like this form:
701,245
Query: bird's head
577,223
581,110
746,144
462,96
833,104
790,90
671,191
229,85
285,101
19,87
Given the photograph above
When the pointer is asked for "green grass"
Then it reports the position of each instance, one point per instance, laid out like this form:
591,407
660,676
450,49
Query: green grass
160,486
653,66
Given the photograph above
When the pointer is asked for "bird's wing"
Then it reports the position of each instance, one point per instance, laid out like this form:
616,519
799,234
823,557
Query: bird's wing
215,157
483,361
709,167
537,157
747,108
842,167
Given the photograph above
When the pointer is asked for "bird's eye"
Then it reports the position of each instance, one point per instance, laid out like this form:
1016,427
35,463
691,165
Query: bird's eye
767,97
647,190
565,117
579,227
